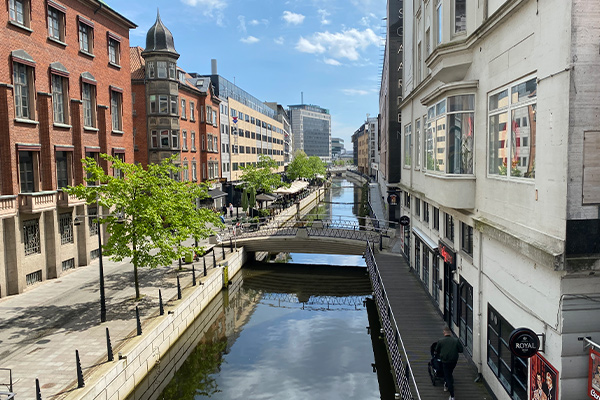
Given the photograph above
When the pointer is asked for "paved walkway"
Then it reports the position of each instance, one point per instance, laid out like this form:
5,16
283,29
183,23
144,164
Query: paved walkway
420,325
41,328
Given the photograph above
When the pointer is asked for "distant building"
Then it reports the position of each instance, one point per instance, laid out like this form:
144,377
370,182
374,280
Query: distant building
311,127
337,147
283,117
65,94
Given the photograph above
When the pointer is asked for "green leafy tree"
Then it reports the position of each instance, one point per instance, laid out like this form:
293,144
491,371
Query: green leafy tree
151,213
261,177
306,167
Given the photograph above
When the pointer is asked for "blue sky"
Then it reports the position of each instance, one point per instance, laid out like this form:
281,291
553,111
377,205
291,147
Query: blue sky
273,49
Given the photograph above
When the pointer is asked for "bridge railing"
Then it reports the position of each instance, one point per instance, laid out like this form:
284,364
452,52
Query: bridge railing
403,375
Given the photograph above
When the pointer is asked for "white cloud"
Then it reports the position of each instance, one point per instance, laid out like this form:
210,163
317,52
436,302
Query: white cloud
293,18
242,25
250,40
324,14
345,44
211,8
256,22
279,40
331,61
355,92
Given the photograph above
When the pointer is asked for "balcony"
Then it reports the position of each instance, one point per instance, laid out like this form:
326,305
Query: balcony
8,206
451,191
66,200
32,203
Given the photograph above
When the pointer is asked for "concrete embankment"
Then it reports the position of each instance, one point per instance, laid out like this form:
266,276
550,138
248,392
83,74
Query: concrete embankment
140,355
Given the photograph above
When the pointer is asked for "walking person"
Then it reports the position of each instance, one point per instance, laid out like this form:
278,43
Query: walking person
231,210
447,350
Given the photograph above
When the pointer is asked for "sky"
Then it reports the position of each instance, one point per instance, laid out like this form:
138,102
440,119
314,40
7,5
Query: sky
329,50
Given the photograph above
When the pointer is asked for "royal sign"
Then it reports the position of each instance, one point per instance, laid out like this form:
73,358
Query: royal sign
524,343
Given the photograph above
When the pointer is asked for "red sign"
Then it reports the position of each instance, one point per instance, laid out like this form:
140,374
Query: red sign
234,120
543,379
594,375
446,254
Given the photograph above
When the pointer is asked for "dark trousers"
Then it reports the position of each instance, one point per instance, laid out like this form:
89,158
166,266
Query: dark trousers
448,368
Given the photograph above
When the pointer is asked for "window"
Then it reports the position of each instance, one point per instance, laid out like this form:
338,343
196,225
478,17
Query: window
466,238
175,139
116,110
173,101
172,70
31,237
192,111
407,200
23,89
59,99
19,11
194,174
56,24
418,257
68,264
449,136
88,96
154,139
28,171
65,225
186,171
407,145
161,67
426,267
183,109
417,143
511,371
62,169
193,139
114,50
436,218
426,212
118,173
513,108
184,140
417,207
214,117
449,227
460,16
466,315
92,221
439,20
86,36
436,284
94,155
150,70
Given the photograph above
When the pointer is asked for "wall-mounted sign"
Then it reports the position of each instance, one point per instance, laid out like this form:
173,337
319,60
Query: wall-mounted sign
393,199
524,343
543,379
404,220
594,375
446,253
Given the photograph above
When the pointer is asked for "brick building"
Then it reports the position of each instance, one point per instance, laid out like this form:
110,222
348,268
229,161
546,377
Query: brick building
64,94
174,113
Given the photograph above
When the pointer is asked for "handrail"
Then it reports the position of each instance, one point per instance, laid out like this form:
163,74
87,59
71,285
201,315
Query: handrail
400,372
9,385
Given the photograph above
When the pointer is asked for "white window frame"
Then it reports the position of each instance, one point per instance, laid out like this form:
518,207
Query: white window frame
116,110
60,96
56,24
24,93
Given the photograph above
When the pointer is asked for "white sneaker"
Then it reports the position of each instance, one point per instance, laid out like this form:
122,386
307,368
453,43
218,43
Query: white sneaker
445,387
450,398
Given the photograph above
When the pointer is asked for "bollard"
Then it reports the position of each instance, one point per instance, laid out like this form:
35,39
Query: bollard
231,244
178,289
109,351
223,250
139,323
38,393
80,382
160,303
193,276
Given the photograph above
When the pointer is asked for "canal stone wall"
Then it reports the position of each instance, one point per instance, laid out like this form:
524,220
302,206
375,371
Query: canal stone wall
117,380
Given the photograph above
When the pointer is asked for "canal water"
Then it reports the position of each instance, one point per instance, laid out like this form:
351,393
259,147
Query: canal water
283,331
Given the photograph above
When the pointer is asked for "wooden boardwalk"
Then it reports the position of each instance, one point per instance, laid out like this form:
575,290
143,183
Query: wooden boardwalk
420,325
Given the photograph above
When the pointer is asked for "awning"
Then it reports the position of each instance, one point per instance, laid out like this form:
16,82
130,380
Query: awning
265,197
294,188
425,239
216,193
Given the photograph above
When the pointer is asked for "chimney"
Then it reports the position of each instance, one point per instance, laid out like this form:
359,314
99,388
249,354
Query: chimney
213,66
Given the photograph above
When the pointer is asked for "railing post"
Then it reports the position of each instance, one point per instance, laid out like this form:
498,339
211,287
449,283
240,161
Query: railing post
160,303
80,382
38,393
178,289
193,275
109,351
138,322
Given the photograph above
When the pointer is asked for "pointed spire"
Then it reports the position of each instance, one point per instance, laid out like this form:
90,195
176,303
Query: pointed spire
159,38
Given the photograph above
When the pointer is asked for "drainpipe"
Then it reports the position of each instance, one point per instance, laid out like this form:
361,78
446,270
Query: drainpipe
480,302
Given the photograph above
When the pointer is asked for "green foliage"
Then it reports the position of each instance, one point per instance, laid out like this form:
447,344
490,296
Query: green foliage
261,177
306,167
150,213
245,200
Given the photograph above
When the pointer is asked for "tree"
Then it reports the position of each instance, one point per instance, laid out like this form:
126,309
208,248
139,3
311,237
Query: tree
306,167
245,200
151,213
261,177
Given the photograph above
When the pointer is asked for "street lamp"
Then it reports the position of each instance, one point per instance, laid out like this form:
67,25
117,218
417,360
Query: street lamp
77,222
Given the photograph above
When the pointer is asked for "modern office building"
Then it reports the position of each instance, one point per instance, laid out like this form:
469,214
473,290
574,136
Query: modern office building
372,129
311,127
499,178
283,117
65,95
337,147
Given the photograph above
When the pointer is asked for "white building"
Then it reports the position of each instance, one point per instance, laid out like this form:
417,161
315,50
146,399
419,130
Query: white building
499,175
311,130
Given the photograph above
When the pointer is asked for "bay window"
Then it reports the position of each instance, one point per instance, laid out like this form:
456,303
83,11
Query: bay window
512,130
449,135
407,145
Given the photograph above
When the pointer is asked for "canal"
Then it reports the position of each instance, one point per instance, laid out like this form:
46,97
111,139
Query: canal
295,328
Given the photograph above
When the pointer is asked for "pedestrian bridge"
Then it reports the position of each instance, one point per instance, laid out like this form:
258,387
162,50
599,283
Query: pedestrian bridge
322,236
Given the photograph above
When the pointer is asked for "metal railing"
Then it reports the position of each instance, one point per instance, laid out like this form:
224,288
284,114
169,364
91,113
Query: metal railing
403,375
6,395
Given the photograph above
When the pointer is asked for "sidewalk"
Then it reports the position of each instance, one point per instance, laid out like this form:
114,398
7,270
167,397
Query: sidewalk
377,204
41,328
